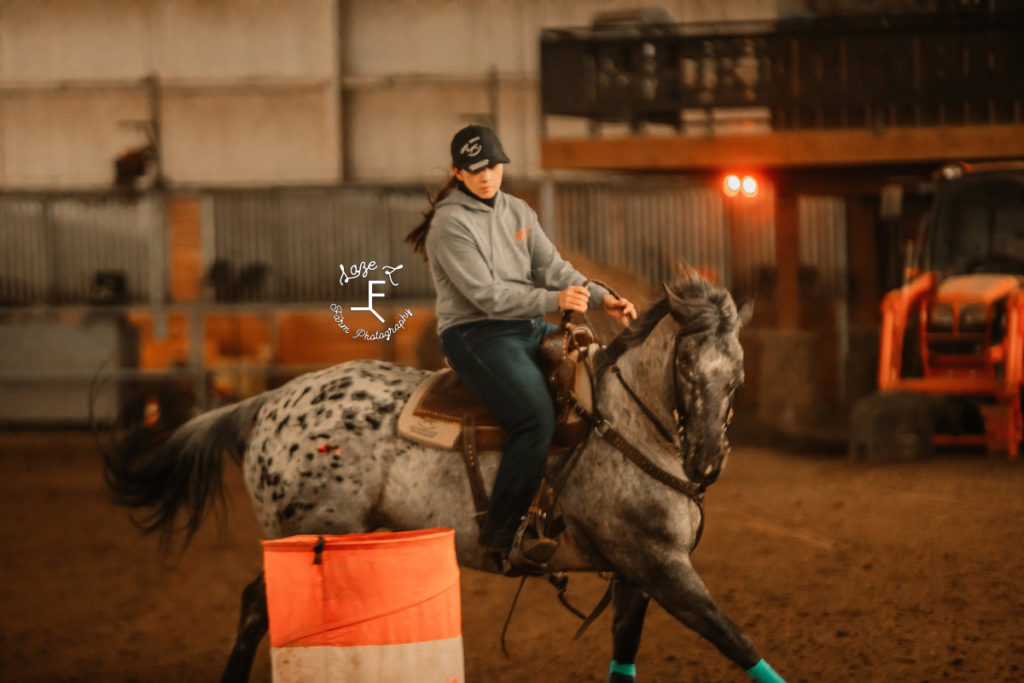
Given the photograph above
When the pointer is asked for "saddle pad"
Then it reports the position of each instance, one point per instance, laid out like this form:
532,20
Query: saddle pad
427,429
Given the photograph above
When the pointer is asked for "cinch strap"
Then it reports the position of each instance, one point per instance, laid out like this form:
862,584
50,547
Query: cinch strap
623,669
762,672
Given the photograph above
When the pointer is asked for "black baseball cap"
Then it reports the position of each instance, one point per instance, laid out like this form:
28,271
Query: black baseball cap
475,148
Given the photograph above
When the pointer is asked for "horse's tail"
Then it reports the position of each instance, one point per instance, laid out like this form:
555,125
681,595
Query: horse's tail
165,474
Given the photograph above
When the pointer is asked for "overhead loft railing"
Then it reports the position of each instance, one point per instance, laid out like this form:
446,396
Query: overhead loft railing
12,87
868,73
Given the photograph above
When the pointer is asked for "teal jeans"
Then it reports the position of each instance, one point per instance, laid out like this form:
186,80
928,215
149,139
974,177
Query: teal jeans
497,360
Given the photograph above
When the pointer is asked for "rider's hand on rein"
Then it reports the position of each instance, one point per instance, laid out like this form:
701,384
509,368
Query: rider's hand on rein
620,309
574,298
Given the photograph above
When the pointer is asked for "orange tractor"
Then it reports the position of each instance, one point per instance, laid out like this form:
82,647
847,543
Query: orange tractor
951,361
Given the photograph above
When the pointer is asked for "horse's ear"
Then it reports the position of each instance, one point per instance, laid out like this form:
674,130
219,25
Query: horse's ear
675,304
683,310
746,311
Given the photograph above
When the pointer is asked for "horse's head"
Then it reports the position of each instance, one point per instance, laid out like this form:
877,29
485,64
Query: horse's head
707,371
697,326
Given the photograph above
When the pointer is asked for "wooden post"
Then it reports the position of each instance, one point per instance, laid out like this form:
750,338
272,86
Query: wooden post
787,256
862,245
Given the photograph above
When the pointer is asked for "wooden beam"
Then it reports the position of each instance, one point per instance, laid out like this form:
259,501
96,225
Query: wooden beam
786,149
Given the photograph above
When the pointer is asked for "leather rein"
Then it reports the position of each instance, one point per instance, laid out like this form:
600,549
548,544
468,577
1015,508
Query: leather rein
600,424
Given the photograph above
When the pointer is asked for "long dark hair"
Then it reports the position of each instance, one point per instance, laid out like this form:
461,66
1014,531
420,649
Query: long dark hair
417,237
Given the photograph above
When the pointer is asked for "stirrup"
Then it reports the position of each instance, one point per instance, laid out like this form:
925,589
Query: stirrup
530,550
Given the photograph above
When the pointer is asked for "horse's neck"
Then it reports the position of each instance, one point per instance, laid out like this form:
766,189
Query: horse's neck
647,369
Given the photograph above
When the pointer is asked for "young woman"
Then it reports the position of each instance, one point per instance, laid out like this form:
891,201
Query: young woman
496,274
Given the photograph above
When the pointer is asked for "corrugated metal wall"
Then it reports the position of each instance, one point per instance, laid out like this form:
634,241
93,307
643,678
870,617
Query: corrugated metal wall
650,226
26,261
287,245
53,249
301,237
823,257
752,242
654,225
824,273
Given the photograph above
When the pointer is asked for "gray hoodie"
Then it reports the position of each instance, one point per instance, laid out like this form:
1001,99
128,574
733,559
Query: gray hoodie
495,264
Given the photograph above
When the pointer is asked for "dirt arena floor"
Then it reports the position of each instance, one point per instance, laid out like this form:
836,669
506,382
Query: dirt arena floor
839,571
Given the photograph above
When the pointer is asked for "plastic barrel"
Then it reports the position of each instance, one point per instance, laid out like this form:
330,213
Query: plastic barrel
378,607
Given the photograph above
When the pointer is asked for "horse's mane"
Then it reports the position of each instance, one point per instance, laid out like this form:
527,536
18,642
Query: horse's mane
703,308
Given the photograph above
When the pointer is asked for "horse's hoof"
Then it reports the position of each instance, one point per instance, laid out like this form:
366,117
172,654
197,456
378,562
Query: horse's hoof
620,678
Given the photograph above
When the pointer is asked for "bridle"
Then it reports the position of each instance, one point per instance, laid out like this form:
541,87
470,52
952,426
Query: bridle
679,408
600,424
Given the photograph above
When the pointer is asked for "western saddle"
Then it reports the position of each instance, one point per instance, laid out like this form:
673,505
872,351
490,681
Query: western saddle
442,412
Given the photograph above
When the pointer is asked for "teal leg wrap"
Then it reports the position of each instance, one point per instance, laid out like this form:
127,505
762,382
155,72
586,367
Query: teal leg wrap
762,672
624,669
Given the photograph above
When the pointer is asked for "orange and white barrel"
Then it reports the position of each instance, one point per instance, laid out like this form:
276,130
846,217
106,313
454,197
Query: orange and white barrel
377,607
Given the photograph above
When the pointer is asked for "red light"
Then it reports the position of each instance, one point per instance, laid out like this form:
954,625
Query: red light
749,186
735,184
732,185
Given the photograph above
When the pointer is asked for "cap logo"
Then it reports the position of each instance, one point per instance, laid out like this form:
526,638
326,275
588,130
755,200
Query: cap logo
472,147
477,165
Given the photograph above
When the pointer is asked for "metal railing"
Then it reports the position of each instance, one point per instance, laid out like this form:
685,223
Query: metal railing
863,72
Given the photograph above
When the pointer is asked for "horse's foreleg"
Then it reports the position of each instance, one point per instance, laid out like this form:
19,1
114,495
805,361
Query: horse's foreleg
630,606
252,626
681,592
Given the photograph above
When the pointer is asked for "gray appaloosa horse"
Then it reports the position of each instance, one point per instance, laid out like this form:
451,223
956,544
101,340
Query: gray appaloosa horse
321,455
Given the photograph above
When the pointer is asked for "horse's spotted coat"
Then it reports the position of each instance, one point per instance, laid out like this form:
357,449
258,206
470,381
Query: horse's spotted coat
313,422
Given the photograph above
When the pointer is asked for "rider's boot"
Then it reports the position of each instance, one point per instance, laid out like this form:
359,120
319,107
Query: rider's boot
531,550
519,549
524,545
534,544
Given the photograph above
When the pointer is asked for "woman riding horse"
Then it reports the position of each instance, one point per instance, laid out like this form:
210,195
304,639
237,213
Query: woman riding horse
496,274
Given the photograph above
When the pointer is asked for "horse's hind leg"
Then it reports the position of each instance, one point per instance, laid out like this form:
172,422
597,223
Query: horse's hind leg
630,606
252,626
